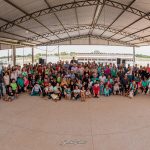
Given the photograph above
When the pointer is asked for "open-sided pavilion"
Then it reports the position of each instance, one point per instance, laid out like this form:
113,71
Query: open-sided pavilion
72,22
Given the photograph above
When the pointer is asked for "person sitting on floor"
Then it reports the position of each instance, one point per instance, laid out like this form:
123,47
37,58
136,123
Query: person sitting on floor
10,94
106,91
36,90
67,92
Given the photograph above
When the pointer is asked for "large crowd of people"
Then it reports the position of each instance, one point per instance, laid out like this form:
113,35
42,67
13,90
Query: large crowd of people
73,81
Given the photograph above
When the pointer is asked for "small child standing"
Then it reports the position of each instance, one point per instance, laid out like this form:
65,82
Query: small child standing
96,90
83,94
88,93
14,87
101,88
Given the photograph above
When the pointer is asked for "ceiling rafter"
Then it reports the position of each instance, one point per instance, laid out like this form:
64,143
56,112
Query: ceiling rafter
122,12
27,14
48,4
76,13
53,42
83,27
72,5
26,39
135,32
140,38
19,27
148,42
147,14
97,13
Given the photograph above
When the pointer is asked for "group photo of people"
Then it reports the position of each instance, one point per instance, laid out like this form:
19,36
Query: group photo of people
73,80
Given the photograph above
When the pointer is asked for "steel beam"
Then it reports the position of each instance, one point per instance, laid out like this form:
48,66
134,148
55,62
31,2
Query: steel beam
14,55
73,5
73,29
135,32
124,10
26,39
19,27
97,13
56,17
147,14
27,14
32,55
53,42
140,38
76,13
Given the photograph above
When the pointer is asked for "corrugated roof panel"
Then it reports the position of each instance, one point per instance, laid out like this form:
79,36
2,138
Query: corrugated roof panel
50,21
82,41
126,2
30,5
67,17
34,26
58,2
95,41
2,23
83,32
9,12
125,20
10,36
143,5
22,32
139,25
108,15
85,14
97,32
75,33
108,34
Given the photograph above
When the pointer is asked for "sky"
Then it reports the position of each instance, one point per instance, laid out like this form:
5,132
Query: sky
81,49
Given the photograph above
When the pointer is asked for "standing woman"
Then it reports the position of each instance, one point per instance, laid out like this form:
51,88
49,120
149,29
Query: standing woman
6,80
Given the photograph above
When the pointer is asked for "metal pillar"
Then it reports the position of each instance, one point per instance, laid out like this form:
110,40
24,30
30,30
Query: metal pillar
46,53
58,53
8,56
23,55
32,55
133,55
14,55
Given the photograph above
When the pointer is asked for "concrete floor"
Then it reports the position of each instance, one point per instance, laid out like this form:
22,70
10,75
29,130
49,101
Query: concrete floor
112,123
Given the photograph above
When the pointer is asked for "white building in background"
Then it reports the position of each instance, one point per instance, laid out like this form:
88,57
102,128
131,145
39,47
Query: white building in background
104,58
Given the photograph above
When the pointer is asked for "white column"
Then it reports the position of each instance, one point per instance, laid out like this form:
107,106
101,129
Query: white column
14,55
32,55
133,55
58,52
46,54
23,55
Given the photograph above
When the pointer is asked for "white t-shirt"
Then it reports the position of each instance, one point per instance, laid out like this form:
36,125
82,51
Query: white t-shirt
102,78
6,80
14,75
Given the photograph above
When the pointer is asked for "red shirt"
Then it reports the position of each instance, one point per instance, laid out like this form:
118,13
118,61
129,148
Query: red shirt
46,84
96,89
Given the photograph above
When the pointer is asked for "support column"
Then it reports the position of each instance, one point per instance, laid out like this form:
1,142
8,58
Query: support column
14,55
58,53
133,55
32,55
23,55
46,54
8,56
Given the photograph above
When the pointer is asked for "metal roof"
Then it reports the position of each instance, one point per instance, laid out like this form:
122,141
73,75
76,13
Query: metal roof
50,22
